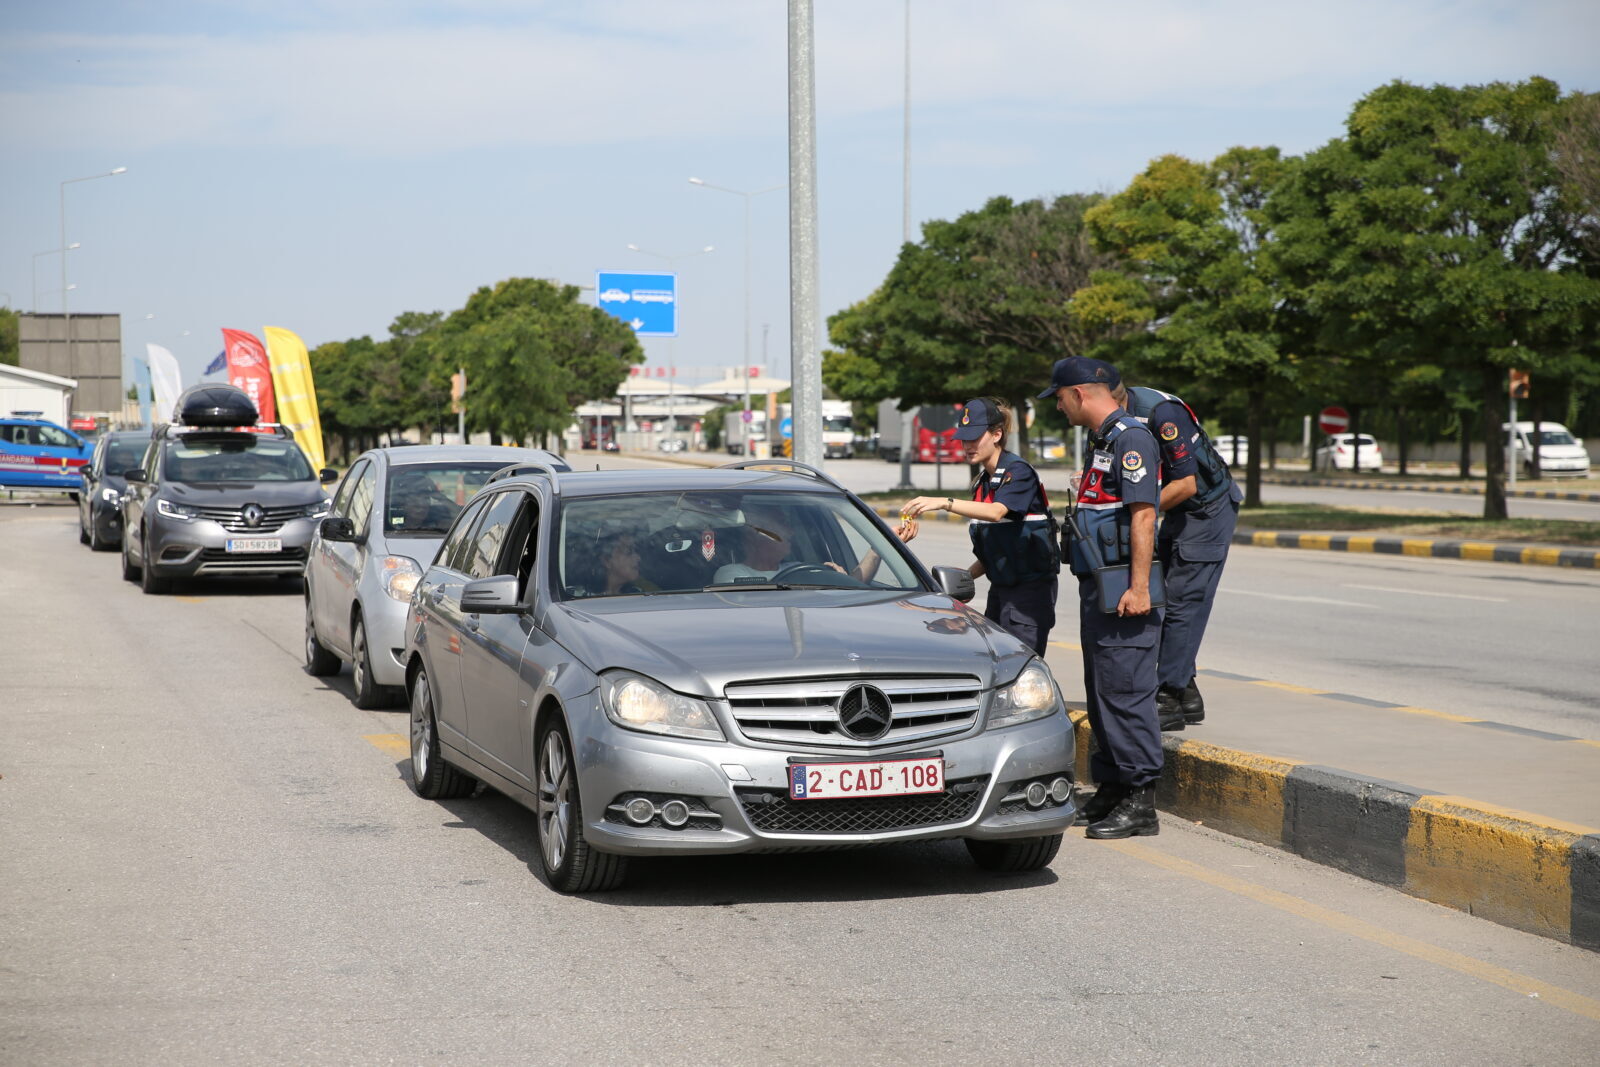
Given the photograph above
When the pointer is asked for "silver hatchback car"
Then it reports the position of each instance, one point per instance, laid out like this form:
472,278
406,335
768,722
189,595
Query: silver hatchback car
387,518
740,659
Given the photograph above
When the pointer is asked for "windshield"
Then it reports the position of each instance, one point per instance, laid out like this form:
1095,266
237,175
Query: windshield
245,457
723,540
1556,437
425,498
836,424
125,453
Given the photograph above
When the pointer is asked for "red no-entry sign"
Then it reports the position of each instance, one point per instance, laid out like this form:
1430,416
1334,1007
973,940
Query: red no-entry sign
1334,420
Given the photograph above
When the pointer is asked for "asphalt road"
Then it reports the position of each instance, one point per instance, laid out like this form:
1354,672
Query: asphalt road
211,857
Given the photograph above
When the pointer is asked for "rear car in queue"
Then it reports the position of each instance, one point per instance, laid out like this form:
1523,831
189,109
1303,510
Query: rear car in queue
674,662
219,495
36,454
388,516
100,501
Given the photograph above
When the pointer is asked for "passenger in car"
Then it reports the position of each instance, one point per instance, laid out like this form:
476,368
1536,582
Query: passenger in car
619,566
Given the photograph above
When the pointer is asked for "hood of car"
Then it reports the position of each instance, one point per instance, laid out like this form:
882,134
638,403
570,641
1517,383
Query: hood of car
235,494
1558,452
697,643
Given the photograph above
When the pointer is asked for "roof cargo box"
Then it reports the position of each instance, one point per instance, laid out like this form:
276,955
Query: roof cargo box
215,404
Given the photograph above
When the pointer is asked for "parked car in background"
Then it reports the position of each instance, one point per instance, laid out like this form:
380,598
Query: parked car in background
382,531
1050,449
37,454
1339,453
100,502
1561,455
673,444
1233,448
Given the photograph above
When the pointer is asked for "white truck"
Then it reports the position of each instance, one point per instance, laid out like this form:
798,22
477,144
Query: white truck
738,436
1560,454
838,437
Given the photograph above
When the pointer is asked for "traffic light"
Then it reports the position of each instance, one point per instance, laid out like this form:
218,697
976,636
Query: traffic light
1519,384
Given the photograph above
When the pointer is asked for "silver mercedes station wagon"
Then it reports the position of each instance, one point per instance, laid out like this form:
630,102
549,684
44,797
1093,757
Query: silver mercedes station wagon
727,660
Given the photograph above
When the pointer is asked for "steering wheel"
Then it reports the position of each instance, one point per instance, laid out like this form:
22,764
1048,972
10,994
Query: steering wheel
793,570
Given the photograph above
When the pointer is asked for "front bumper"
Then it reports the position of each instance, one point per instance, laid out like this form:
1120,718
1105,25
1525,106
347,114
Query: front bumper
738,795
107,520
199,549
385,619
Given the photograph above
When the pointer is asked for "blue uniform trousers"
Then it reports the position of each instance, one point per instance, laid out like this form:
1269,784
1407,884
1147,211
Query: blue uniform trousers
1026,611
1119,676
1193,550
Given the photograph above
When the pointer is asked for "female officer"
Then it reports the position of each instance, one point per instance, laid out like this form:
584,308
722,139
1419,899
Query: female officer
1009,521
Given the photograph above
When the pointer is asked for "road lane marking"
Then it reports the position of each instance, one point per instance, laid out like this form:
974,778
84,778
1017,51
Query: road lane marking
393,744
1302,599
1066,644
1522,984
1419,592
1288,688
191,599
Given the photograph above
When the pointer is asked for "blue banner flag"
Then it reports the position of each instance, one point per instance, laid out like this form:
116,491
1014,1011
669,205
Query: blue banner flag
220,363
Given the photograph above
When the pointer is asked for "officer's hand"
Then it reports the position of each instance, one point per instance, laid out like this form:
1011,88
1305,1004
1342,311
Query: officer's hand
1134,602
917,505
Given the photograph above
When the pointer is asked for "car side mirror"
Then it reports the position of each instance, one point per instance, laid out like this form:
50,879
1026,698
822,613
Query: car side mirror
327,475
955,583
338,528
134,474
491,596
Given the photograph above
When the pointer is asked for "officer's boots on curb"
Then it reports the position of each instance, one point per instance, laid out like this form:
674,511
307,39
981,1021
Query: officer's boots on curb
1194,708
1169,707
1099,806
1134,816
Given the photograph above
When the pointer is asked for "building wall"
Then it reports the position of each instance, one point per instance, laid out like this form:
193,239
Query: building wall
94,357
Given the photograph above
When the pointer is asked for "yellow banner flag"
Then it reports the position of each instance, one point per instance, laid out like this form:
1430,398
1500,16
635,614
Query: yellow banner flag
297,398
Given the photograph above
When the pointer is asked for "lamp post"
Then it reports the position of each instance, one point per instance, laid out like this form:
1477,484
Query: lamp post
66,314
672,342
47,252
748,195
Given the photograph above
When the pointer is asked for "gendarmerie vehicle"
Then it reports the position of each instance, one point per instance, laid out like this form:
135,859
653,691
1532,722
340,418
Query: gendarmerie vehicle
219,495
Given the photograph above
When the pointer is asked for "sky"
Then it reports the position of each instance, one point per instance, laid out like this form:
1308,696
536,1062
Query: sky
325,166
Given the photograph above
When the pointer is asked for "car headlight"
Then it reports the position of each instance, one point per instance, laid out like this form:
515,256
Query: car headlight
1031,696
400,576
638,703
110,495
177,511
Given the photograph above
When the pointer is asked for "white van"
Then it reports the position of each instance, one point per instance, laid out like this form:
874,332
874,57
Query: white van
1560,454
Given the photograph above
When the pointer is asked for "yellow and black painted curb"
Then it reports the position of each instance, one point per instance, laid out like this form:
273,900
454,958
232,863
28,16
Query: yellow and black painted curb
1461,489
1427,548
1525,871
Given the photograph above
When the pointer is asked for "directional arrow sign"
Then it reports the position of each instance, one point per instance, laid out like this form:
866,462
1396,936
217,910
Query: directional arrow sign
648,302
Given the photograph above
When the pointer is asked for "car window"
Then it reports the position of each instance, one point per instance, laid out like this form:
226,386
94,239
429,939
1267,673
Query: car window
457,547
521,548
484,560
1556,437
243,457
341,499
423,499
121,453
361,498
684,542
51,437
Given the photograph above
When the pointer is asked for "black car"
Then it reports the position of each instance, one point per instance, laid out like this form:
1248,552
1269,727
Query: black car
100,502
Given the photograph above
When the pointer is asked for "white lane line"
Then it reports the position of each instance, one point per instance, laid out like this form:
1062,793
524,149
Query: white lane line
1303,599
1419,592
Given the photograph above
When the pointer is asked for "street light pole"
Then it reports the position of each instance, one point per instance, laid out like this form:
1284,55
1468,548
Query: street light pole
672,342
66,313
47,252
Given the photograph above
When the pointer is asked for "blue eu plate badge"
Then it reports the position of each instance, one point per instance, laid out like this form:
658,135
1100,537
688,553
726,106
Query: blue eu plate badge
797,782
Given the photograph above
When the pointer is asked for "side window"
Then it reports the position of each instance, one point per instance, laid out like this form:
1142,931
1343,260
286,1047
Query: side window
152,459
51,437
453,553
97,463
341,499
492,535
522,546
361,499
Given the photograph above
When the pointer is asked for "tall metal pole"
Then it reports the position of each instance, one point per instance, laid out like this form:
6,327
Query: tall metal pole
807,356
66,313
907,419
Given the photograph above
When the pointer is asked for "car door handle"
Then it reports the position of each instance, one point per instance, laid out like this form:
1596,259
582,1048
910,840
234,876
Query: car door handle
472,623
436,594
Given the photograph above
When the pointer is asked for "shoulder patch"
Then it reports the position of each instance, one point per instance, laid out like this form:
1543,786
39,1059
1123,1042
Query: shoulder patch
1132,461
1169,431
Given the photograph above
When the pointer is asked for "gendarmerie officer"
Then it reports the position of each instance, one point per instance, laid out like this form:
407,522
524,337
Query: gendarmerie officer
1200,503
1115,514
1009,521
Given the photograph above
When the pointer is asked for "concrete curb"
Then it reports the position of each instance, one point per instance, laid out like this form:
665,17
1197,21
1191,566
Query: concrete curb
1484,551
1407,487
1525,871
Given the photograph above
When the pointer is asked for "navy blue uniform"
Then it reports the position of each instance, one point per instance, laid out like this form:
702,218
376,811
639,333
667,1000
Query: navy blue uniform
1022,583
1195,535
1119,652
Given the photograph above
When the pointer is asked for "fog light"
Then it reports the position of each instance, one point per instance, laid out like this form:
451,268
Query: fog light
675,813
1037,794
639,811
1061,790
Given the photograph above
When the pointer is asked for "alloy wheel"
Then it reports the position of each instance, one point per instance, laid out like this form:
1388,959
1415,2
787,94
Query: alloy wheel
555,800
421,727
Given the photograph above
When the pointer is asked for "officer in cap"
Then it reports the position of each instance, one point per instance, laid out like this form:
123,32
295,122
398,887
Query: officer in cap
1200,504
1115,520
1010,525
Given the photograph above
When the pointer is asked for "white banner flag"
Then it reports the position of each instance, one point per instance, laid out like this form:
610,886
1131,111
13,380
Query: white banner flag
166,382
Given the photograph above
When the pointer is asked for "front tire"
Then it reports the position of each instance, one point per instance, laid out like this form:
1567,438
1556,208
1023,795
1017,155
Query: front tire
369,694
320,663
431,777
570,863
1014,857
148,581
130,573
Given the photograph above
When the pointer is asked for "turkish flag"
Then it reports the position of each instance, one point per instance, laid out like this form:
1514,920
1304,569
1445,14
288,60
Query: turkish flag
249,369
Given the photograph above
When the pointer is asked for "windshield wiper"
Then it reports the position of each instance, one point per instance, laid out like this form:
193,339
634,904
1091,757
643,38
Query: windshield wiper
735,587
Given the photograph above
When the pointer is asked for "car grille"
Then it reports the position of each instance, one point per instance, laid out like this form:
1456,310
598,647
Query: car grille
771,810
232,519
222,555
804,710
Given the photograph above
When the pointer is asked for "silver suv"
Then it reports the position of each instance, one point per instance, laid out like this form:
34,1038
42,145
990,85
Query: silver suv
727,660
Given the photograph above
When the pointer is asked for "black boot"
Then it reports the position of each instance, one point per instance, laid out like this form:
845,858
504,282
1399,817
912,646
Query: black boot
1134,816
1169,708
1099,806
1194,707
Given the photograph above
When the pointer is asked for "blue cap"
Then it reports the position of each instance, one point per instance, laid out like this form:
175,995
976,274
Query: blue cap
977,419
1080,370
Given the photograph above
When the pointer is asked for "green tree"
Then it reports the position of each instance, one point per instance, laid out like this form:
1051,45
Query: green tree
10,346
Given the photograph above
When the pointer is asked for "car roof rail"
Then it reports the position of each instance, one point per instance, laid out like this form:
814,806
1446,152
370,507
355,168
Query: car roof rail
517,470
791,464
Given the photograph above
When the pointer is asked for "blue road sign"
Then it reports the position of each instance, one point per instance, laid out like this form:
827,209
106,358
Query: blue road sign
786,428
647,302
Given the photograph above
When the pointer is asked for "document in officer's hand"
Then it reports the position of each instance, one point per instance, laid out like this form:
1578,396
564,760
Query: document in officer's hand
1111,582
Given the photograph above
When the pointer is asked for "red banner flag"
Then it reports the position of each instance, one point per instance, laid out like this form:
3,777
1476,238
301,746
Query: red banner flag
249,369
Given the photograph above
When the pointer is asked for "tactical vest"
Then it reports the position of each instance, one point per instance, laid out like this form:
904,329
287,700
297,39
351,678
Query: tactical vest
1101,522
1014,551
1212,479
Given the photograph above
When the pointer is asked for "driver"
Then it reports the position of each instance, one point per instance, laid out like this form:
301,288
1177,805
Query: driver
766,537
419,505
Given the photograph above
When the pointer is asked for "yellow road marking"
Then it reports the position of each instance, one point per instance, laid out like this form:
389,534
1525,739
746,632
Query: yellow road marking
1286,687
191,599
1066,644
1522,984
1414,547
1586,741
1436,714
1361,544
1479,550
393,744
1548,556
